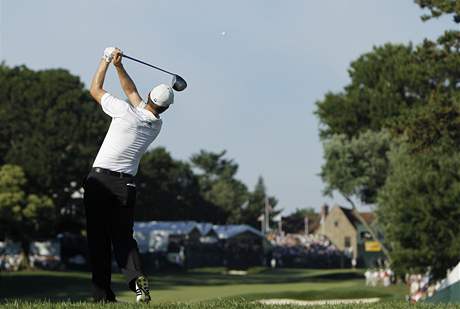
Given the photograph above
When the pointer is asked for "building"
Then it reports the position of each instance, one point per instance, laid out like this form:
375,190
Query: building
243,246
189,244
346,231
174,242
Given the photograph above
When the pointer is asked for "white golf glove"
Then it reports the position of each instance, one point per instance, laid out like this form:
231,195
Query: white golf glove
108,54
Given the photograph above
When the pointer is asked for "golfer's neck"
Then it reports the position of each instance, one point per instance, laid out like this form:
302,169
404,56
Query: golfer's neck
150,108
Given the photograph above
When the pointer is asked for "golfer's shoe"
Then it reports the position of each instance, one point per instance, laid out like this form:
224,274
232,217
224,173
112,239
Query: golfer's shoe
142,290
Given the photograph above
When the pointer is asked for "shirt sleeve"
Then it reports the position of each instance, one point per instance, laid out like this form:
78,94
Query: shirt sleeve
112,106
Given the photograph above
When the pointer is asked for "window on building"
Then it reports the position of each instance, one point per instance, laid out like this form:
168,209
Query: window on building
347,241
336,223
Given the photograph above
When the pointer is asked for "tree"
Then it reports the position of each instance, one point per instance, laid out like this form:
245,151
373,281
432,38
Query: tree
256,205
218,185
357,168
50,126
440,7
419,210
169,190
295,222
413,94
23,217
379,91
389,84
407,91
213,165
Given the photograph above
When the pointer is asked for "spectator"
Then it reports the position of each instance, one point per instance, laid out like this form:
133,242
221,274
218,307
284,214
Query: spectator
305,251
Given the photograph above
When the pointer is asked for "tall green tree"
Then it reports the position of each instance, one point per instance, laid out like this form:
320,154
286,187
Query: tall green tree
218,184
406,91
50,127
419,210
23,217
256,203
389,84
379,90
438,8
413,93
169,190
357,168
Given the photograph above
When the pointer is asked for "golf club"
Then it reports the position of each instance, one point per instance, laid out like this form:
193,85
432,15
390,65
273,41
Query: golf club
179,83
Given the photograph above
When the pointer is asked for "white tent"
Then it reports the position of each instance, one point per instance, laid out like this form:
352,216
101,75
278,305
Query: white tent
453,276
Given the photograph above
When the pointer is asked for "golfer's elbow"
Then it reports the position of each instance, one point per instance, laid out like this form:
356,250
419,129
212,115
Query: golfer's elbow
93,91
96,92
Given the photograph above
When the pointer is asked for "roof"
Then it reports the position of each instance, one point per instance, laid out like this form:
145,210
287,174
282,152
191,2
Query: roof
185,227
232,230
172,227
369,217
205,228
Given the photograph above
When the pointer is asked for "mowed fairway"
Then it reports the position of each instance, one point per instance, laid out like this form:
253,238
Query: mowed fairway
205,284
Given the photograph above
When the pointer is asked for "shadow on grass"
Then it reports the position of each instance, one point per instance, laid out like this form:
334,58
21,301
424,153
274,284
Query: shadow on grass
264,277
45,287
76,286
337,276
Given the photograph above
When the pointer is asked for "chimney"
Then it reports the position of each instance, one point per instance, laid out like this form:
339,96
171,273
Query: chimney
324,211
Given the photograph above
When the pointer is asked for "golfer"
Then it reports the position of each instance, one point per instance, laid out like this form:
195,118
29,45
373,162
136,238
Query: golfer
110,188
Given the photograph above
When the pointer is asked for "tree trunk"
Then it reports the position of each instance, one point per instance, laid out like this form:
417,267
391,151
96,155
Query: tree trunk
25,263
368,228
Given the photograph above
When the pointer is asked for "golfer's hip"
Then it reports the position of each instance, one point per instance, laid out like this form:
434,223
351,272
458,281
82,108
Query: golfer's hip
117,187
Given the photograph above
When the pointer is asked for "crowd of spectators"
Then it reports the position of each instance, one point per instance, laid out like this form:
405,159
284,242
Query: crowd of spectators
44,255
419,287
301,250
379,277
10,256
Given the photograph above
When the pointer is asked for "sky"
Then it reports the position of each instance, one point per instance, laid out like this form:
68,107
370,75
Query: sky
255,69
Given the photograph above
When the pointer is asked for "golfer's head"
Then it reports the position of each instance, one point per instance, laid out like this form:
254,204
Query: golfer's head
161,97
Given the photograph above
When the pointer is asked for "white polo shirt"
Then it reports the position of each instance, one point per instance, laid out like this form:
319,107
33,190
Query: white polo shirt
131,131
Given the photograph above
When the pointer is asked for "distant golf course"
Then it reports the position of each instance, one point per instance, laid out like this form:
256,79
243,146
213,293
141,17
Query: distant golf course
197,287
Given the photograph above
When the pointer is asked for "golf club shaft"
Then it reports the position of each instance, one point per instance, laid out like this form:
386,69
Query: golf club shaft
140,61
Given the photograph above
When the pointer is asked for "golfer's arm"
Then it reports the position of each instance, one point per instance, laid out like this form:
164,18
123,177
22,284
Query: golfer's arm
128,85
96,89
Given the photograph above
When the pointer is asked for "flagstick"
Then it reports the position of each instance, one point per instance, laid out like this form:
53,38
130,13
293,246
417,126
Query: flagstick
267,218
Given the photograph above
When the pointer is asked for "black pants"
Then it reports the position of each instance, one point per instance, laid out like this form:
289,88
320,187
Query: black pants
109,204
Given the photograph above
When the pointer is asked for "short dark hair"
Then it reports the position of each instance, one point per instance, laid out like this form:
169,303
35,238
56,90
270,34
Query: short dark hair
161,109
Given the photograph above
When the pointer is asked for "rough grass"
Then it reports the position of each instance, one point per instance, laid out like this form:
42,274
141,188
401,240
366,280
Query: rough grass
226,303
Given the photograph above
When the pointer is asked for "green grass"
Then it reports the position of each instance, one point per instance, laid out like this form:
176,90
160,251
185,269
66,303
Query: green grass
199,288
215,304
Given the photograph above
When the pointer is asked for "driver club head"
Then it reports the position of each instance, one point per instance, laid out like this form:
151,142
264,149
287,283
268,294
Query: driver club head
179,83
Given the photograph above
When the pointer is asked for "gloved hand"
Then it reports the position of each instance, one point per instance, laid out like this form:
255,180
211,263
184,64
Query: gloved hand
108,54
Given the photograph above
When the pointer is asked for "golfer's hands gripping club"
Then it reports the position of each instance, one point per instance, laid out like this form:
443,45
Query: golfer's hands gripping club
117,55
108,54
